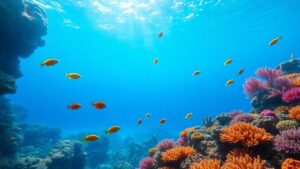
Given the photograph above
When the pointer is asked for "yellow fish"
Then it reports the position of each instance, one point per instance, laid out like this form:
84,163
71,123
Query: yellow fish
73,76
113,129
189,115
196,73
140,121
91,138
155,61
148,115
229,82
274,41
227,62
162,121
49,62
160,35
241,71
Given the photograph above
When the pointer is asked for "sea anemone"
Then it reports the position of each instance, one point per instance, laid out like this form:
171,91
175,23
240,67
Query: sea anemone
185,132
245,134
288,141
247,118
290,163
294,113
165,145
269,74
253,86
282,84
207,164
243,160
177,154
292,95
146,163
286,124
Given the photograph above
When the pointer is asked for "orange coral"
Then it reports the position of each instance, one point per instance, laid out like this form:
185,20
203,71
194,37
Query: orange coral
207,164
294,112
245,134
296,82
290,163
185,132
177,154
293,75
240,159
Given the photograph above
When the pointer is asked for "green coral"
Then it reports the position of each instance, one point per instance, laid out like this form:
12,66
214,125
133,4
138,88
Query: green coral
286,124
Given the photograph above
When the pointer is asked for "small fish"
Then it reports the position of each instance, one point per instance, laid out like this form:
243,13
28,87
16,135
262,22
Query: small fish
274,41
189,115
155,61
99,105
160,35
140,121
241,71
113,129
229,82
49,62
148,115
91,138
162,121
74,106
292,56
227,62
73,76
196,73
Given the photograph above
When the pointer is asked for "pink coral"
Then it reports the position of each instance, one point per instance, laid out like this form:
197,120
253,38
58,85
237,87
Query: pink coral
165,145
146,163
253,86
268,73
291,95
182,141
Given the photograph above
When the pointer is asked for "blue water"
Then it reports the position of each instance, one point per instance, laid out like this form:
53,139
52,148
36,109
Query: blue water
112,44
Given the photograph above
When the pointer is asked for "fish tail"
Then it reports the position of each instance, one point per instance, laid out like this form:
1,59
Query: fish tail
67,75
106,132
42,64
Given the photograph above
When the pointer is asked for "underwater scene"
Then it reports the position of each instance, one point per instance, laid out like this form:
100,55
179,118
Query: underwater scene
149,84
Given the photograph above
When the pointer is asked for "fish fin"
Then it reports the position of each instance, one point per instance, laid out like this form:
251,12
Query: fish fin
106,132
42,64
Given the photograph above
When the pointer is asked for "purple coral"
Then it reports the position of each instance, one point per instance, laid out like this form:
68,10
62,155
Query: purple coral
165,145
146,163
291,95
269,74
253,86
242,118
288,141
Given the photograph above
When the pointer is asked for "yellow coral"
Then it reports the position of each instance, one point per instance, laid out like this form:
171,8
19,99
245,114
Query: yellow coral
294,112
240,159
281,109
207,164
186,131
245,134
197,137
177,154
290,163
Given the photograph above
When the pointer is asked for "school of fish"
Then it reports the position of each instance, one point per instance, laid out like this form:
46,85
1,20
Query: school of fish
99,105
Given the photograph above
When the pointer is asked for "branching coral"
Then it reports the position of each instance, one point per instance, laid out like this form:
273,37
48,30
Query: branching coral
288,141
242,160
245,134
165,145
207,164
292,95
294,113
268,74
290,164
146,163
253,86
177,154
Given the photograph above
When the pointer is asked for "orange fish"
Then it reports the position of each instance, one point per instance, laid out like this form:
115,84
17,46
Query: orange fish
160,35
162,121
274,41
49,62
148,115
99,105
196,73
91,138
241,71
73,76
155,61
74,106
112,130
140,121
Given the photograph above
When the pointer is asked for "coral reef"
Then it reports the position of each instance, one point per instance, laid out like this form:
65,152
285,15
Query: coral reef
290,164
97,152
288,141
